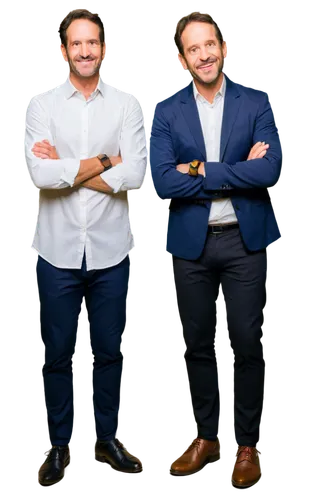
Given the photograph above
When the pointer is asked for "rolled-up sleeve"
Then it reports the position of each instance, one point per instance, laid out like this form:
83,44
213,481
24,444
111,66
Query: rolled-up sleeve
45,173
129,174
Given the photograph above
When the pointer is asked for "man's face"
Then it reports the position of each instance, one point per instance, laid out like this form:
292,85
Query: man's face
84,51
203,54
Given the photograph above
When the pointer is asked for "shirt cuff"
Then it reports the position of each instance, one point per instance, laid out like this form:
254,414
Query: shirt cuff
113,178
71,168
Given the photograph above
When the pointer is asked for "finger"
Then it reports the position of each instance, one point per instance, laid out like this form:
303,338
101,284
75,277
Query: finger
45,144
254,150
260,150
262,154
43,150
41,155
263,148
256,147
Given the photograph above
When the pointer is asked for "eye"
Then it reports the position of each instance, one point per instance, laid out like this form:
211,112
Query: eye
76,44
193,50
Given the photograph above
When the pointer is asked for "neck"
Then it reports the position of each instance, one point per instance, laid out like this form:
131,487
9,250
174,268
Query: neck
208,90
84,85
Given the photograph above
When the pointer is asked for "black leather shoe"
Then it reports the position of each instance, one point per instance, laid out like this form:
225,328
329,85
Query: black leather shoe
115,454
53,469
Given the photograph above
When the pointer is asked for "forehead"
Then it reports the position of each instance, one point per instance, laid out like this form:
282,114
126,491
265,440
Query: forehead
196,33
82,29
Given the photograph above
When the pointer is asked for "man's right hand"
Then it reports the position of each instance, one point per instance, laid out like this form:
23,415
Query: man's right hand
258,151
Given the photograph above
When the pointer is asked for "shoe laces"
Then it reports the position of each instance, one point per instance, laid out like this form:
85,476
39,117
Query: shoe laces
249,450
194,443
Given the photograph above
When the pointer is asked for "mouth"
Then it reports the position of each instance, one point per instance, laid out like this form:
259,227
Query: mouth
206,66
86,62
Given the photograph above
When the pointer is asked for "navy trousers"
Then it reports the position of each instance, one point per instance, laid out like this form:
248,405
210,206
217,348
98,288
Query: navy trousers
242,274
61,292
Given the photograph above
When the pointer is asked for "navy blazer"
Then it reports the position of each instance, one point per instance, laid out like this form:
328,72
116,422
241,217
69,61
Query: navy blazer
177,138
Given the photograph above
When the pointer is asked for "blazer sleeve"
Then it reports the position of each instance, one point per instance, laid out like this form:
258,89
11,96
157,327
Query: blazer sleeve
220,177
168,182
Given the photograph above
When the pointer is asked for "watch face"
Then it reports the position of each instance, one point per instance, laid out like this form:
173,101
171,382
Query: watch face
195,163
105,160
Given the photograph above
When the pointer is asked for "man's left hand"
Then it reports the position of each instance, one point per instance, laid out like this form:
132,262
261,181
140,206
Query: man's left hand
45,150
183,168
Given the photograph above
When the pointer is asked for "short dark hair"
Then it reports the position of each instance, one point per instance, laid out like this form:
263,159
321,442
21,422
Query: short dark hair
198,18
80,14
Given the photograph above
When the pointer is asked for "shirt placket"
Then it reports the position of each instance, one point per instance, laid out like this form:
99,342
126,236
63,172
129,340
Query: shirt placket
83,156
211,132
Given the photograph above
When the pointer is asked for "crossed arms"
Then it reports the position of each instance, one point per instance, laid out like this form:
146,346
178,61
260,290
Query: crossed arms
260,170
89,170
48,171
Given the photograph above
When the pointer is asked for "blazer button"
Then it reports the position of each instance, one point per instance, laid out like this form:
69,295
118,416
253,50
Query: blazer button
237,207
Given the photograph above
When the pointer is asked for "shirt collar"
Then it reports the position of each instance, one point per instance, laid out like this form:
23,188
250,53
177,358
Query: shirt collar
220,92
70,89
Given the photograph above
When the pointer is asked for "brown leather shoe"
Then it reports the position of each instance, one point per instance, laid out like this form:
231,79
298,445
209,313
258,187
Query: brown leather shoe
200,453
247,467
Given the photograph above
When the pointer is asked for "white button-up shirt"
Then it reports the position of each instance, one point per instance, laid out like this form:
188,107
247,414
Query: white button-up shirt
211,115
72,220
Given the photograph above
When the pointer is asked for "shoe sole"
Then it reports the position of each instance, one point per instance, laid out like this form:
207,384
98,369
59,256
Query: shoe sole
51,485
209,460
103,459
242,487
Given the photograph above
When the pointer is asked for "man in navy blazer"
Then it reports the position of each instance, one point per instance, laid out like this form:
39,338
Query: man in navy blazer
215,150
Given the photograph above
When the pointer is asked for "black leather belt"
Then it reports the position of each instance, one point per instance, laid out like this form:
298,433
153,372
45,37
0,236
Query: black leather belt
221,229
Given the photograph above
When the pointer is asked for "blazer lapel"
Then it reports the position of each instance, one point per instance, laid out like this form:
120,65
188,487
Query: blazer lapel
190,112
231,106
189,108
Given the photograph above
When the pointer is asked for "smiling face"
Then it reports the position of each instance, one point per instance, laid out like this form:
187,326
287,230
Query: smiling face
84,51
203,53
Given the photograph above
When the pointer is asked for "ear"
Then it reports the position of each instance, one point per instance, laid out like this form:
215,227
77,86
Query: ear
105,51
182,61
64,53
224,49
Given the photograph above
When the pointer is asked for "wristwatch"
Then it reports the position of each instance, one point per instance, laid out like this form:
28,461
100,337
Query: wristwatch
105,161
194,167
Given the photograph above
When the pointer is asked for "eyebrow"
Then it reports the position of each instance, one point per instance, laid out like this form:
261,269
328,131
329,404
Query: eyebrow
196,44
91,40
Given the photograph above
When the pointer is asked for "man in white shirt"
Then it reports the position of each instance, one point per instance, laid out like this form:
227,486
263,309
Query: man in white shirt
85,148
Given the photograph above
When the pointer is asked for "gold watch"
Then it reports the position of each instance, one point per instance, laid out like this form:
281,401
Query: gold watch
194,167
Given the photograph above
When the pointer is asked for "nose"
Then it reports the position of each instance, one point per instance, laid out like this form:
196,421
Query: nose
84,52
204,53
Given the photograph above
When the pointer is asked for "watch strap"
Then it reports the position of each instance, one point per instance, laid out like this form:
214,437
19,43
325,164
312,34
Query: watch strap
105,161
194,167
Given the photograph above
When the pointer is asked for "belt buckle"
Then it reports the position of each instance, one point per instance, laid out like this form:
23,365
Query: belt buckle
217,232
